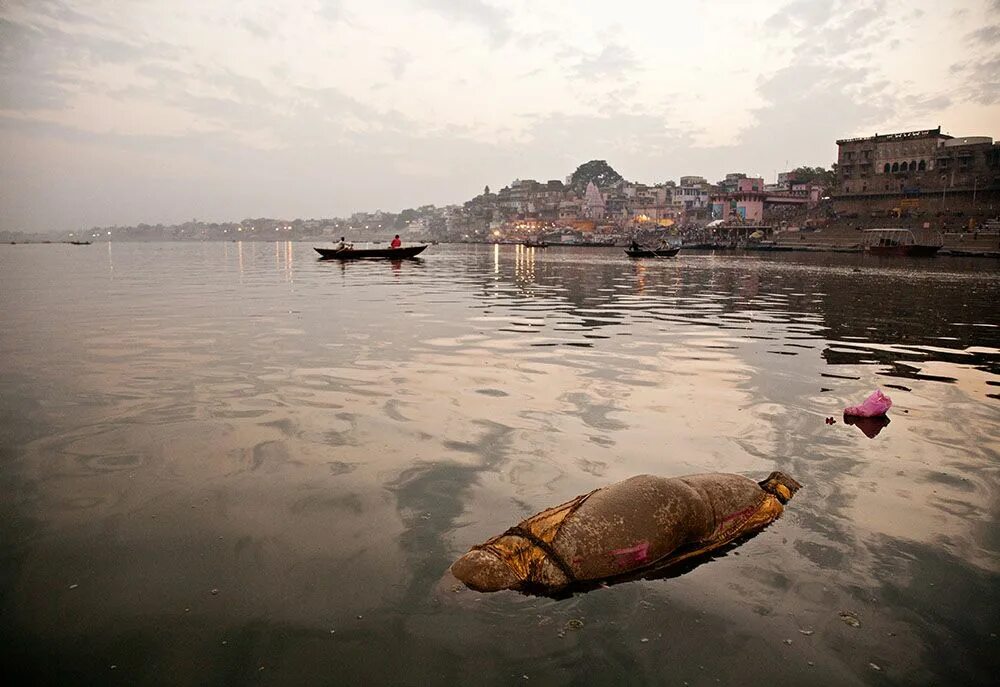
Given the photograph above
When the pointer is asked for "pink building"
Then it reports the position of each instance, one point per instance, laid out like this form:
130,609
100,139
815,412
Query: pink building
750,185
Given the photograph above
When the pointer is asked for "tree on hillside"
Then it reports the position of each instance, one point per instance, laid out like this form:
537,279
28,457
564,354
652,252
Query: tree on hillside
817,175
598,171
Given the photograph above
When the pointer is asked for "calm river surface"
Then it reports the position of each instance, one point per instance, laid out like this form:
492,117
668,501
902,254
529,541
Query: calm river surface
227,463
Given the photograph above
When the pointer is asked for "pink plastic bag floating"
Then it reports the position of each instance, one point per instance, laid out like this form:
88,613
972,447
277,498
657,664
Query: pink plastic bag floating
875,405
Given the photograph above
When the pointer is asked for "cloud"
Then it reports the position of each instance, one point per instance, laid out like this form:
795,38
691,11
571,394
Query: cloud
613,61
331,10
800,15
398,60
491,19
980,79
987,35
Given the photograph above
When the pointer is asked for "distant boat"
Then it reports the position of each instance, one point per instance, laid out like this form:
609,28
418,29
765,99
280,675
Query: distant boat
897,242
535,244
360,253
650,253
80,243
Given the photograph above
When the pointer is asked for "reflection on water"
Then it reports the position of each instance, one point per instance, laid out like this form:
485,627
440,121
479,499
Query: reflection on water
318,441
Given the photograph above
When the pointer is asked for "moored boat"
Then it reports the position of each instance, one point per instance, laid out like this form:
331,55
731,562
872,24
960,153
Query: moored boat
360,253
897,242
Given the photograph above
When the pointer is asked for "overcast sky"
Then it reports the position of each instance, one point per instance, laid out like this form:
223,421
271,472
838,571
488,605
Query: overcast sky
127,111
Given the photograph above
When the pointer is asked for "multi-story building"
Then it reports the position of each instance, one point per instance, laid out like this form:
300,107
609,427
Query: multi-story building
919,170
693,181
915,161
690,197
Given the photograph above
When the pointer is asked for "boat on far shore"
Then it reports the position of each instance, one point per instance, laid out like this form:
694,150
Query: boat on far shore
897,242
668,252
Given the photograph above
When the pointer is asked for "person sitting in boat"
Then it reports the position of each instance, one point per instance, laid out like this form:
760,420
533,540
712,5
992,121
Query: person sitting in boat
343,245
634,245
396,243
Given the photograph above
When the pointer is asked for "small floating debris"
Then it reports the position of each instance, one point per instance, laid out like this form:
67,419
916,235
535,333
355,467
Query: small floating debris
574,624
849,618
73,586
830,421
215,592
876,405
806,632
875,666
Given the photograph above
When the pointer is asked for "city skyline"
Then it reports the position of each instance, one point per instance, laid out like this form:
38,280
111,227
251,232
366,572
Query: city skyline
161,112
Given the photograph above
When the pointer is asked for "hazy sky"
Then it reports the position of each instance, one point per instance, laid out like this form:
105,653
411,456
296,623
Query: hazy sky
127,111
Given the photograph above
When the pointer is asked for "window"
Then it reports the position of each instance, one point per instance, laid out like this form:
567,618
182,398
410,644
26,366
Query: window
895,166
887,168
913,165
922,166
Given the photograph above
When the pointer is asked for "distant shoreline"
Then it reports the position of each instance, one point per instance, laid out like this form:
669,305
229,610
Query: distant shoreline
701,248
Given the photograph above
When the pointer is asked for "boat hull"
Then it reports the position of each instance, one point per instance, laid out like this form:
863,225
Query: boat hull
642,253
363,253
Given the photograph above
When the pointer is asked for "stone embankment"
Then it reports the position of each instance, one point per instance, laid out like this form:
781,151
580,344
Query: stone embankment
833,238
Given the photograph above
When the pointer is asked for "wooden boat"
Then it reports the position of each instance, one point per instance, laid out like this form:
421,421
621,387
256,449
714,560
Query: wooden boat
650,253
535,244
360,253
897,242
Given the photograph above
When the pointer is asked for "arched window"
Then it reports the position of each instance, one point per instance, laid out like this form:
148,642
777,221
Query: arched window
895,166
913,165
887,168
922,166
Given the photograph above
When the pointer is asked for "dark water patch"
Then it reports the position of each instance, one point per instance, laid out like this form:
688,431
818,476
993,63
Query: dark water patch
269,455
954,481
492,392
350,503
923,586
340,467
111,462
391,409
822,555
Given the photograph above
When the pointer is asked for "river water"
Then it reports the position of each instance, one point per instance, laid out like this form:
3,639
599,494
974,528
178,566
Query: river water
233,463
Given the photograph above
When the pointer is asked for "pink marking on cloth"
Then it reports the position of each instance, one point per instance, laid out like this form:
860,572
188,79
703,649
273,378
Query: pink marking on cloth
745,511
633,554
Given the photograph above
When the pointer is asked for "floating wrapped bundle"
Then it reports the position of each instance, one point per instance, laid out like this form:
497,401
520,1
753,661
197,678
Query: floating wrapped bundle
641,523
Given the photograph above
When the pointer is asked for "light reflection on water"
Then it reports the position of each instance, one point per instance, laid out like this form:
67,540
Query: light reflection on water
319,440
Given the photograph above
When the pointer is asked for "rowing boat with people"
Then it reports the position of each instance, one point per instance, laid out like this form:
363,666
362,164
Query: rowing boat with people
651,253
360,253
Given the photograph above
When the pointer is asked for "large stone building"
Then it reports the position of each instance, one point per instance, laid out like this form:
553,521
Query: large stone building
915,163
